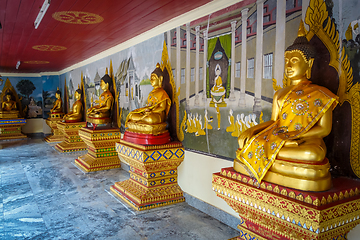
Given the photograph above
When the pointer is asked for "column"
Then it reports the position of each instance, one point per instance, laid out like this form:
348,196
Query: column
244,15
169,44
205,35
187,70
305,5
197,63
259,55
280,41
178,60
232,70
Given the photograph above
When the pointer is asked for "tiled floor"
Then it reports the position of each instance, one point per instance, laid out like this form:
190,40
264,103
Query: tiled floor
44,196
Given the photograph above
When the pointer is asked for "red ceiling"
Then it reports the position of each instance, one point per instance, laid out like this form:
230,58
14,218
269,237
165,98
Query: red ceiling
123,20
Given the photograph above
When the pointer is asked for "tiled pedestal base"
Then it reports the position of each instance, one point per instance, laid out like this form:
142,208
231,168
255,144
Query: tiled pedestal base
72,142
56,134
271,211
11,128
101,154
153,175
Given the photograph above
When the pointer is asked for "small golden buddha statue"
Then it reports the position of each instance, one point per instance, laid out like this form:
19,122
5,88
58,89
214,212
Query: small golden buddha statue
152,118
76,115
289,149
57,108
9,108
9,104
101,113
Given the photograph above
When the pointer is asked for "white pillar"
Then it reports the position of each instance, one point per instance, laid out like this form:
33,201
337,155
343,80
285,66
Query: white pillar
205,34
187,70
259,55
197,63
232,70
169,44
244,15
178,60
305,5
279,62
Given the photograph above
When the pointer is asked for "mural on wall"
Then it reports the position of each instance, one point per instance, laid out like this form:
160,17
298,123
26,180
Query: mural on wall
29,90
49,87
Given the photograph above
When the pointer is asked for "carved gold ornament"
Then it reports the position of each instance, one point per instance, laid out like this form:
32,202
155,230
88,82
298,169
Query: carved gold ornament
36,62
49,48
75,17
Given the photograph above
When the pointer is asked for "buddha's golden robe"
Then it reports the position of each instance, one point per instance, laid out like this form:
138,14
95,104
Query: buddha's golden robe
156,96
302,107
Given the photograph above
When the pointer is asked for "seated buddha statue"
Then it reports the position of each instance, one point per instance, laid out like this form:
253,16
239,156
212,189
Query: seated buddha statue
218,90
101,113
9,108
289,149
57,108
151,119
76,115
8,104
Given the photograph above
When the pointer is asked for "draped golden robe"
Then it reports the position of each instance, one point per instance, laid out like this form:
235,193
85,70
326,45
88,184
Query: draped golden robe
302,107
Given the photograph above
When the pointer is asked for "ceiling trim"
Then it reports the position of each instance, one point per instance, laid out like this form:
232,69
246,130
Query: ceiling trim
187,17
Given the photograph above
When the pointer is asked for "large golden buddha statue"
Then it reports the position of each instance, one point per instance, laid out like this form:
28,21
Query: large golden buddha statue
289,149
57,108
151,119
76,115
9,108
100,114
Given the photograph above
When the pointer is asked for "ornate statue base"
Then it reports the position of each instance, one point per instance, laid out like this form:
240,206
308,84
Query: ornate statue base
11,128
153,174
271,211
147,139
72,141
101,154
52,121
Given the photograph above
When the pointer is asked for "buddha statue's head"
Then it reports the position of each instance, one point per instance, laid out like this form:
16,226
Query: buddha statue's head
8,97
156,77
78,94
106,82
58,94
299,57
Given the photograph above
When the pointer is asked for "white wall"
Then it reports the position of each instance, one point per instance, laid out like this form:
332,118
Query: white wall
36,125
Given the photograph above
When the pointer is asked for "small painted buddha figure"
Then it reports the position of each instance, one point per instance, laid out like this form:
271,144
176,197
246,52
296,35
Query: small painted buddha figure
57,108
103,109
218,90
157,107
8,104
289,149
76,115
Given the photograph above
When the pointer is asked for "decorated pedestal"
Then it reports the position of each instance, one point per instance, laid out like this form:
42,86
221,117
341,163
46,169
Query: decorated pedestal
72,141
11,128
101,154
271,211
56,134
153,174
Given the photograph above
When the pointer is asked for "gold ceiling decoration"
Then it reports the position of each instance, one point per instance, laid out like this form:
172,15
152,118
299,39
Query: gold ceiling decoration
36,62
49,48
75,17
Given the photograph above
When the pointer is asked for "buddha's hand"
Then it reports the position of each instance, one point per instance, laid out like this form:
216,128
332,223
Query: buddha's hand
244,137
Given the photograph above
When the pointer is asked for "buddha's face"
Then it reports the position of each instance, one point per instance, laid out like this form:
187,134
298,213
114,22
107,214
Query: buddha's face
57,95
295,65
154,80
8,98
104,86
77,95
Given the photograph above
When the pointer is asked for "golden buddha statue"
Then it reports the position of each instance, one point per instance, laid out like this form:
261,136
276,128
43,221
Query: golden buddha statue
151,119
57,108
9,104
76,115
289,149
101,113
9,108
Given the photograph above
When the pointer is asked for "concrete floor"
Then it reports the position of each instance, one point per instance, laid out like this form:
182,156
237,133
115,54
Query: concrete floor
44,196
